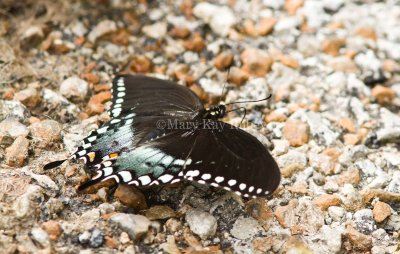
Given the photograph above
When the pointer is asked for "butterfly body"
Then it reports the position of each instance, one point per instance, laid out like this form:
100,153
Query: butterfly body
161,133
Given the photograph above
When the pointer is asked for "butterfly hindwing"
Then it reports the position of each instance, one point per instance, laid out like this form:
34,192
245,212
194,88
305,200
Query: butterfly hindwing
225,156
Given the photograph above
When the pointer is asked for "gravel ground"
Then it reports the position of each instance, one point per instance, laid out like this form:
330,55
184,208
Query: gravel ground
333,123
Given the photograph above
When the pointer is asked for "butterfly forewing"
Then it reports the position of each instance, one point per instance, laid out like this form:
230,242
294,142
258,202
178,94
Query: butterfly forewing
144,95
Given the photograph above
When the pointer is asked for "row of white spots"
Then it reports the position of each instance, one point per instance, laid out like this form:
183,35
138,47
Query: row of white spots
219,179
116,111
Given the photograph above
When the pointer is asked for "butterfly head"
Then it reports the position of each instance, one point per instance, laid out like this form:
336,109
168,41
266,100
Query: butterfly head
216,112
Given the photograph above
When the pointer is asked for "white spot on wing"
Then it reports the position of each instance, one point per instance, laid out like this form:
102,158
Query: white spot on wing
99,173
134,182
108,171
166,178
219,179
102,130
91,139
111,176
242,186
251,188
206,176
145,180
232,182
126,176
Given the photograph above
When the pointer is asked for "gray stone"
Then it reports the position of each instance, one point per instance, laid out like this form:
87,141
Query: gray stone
220,18
326,240
293,159
391,126
96,238
24,206
74,88
244,228
281,146
336,212
135,225
351,154
13,109
368,167
394,185
84,237
319,128
55,100
11,126
333,5
364,220
40,236
201,223
102,28
157,30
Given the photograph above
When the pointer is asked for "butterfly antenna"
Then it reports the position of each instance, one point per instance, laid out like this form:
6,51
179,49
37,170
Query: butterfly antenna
267,98
223,88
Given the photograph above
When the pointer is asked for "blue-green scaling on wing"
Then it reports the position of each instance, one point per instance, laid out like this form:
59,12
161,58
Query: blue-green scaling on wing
134,148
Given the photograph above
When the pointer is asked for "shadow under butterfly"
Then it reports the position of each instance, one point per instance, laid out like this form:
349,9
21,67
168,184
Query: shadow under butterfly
160,133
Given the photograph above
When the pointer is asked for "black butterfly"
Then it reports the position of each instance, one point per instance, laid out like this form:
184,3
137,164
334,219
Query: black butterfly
161,133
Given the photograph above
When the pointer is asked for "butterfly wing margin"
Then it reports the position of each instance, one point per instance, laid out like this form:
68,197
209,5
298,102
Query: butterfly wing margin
143,95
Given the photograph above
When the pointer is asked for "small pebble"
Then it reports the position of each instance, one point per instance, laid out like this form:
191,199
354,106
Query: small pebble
325,201
53,228
101,29
201,223
244,228
381,211
74,88
256,62
29,97
135,225
296,132
45,133
17,153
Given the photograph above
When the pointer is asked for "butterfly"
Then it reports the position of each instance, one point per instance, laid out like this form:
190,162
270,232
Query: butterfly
161,133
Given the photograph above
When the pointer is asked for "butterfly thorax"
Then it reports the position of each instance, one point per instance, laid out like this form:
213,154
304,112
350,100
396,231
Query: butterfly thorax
215,112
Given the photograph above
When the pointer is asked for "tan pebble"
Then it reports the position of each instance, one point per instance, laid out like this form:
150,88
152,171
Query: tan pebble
91,78
266,25
383,94
332,152
351,139
367,32
332,46
256,61
391,66
95,104
291,6
250,28
357,240
121,37
8,93
347,124
223,60
237,76
159,212
29,97
296,132
275,116
285,214
199,92
343,64
179,32
53,228
110,242
385,196
263,244
335,25
289,62
326,200
140,64
196,43
381,211
260,211
186,8
45,133
349,175
131,197
299,187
